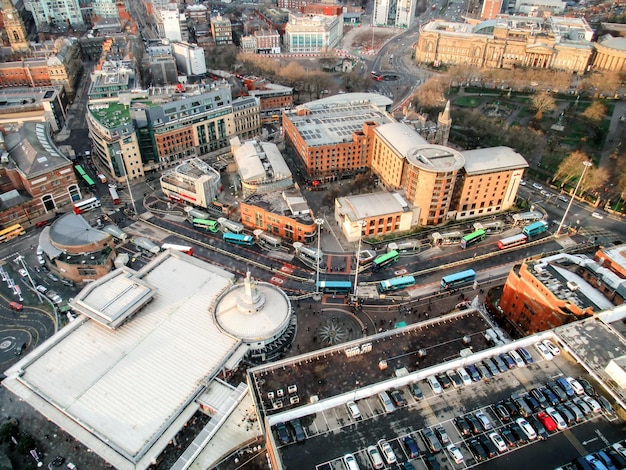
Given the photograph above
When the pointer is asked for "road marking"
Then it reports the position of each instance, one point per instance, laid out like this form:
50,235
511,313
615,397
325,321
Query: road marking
589,441
575,442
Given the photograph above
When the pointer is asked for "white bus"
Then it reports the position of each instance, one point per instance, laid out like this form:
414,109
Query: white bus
272,241
86,205
230,226
183,248
311,254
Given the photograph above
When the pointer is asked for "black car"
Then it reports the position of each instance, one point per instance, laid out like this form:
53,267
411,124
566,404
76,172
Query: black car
488,445
538,395
397,398
508,437
493,368
432,463
283,434
477,450
510,407
534,404
542,433
567,415
462,425
57,461
502,412
616,457
474,424
604,403
416,391
587,387
445,381
518,433
558,391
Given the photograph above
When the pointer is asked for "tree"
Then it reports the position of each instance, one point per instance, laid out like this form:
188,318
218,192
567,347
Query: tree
431,93
595,112
594,178
570,168
543,102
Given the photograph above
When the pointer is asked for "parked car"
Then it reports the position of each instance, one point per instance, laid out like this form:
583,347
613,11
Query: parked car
518,433
493,368
462,425
508,437
568,416
559,421
553,348
283,434
511,407
467,380
474,424
397,398
16,306
508,360
578,414
525,426
431,441
455,454
444,380
353,409
488,445
297,430
484,421
604,403
587,387
387,452
550,396
534,404
434,384
454,377
558,391
42,289
477,450
500,364
576,386
528,359
538,395
502,412
411,447
498,442
582,405
416,391
442,435
375,458
547,421
593,403
538,426
484,372
565,385
544,352
473,372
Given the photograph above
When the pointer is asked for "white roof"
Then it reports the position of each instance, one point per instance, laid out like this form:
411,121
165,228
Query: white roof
371,205
126,387
492,159
249,158
401,137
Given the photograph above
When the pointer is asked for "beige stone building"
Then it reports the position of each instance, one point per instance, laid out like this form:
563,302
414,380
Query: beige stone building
508,41
610,55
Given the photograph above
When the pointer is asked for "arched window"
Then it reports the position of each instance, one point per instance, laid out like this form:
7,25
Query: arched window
74,192
48,202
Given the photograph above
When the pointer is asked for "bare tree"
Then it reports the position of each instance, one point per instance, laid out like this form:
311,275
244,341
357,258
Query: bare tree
543,102
431,93
595,112
594,179
570,168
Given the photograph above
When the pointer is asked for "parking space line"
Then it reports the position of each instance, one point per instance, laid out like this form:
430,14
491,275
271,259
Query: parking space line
575,442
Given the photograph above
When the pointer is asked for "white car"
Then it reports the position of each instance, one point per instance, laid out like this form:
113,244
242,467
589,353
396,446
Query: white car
554,350
455,454
527,429
375,458
537,186
353,408
556,416
545,352
593,403
467,380
575,384
23,272
498,442
387,452
620,449
522,182
597,215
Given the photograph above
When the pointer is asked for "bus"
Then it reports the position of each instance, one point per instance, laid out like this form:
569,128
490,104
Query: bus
336,287
473,238
229,226
535,228
515,240
396,283
271,241
447,238
193,213
238,239
114,196
11,232
206,225
84,176
458,279
524,218
404,246
311,254
86,205
185,249
384,260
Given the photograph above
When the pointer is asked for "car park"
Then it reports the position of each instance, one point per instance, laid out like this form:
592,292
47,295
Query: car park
553,348
547,421
283,434
477,450
502,412
556,417
527,429
442,435
387,452
455,454
544,352
462,425
297,430
434,385
397,398
565,385
542,433
353,409
508,360
498,442
528,359
375,458
411,446
467,380
488,446
587,387
455,379
484,421
593,403
431,441
578,389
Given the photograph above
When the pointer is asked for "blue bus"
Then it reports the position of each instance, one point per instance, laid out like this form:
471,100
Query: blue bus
396,283
337,287
535,228
238,238
458,279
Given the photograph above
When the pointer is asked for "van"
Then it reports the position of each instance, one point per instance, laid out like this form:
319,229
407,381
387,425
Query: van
519,362
386,402
434,384
350,462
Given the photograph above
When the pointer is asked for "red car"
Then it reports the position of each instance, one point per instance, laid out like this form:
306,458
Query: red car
547,421
15,306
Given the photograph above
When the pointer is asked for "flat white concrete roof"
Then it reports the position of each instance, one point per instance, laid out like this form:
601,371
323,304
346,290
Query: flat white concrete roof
123,392
364,206
492,159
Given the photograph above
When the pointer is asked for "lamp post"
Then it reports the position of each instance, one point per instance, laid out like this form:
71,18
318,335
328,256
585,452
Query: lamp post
130,191
582,175
361,224
319,222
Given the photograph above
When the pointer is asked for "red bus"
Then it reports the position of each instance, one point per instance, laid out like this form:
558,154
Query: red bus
114,197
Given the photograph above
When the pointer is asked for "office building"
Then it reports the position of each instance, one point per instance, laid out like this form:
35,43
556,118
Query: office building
192,182
222,30
394,13
312,34
169,23
189,58
45,104
60,12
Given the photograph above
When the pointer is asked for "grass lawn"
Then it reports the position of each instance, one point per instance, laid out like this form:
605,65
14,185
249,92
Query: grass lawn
468,101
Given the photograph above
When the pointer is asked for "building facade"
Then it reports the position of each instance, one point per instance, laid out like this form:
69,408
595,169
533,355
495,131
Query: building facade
189,58
47,105
222,30
394,13
63,11
312,34
192,182
273,99
610,55
14,28
554,43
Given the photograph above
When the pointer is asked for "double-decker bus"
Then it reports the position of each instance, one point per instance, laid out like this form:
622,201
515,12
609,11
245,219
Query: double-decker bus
396,283
114,196
458,279
207,225
535,228
11,232
185,249
336,287
383,260
86,205
238,239
84,176
515,240
473,238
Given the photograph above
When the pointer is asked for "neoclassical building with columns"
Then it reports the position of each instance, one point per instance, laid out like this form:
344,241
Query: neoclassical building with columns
557,43
610,55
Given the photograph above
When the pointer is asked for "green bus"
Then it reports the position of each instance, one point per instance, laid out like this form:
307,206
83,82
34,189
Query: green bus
384,260
473,238
206,224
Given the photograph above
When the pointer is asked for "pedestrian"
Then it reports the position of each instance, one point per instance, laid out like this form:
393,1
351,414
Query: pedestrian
308,329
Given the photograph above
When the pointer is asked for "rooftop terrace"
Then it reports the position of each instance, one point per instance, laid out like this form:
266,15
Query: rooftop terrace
110,115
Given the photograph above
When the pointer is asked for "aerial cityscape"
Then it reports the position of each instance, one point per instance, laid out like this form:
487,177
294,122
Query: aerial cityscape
295,235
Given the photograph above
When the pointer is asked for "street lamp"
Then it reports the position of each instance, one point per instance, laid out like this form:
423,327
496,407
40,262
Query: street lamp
582,175
361,224
319,222
132,199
